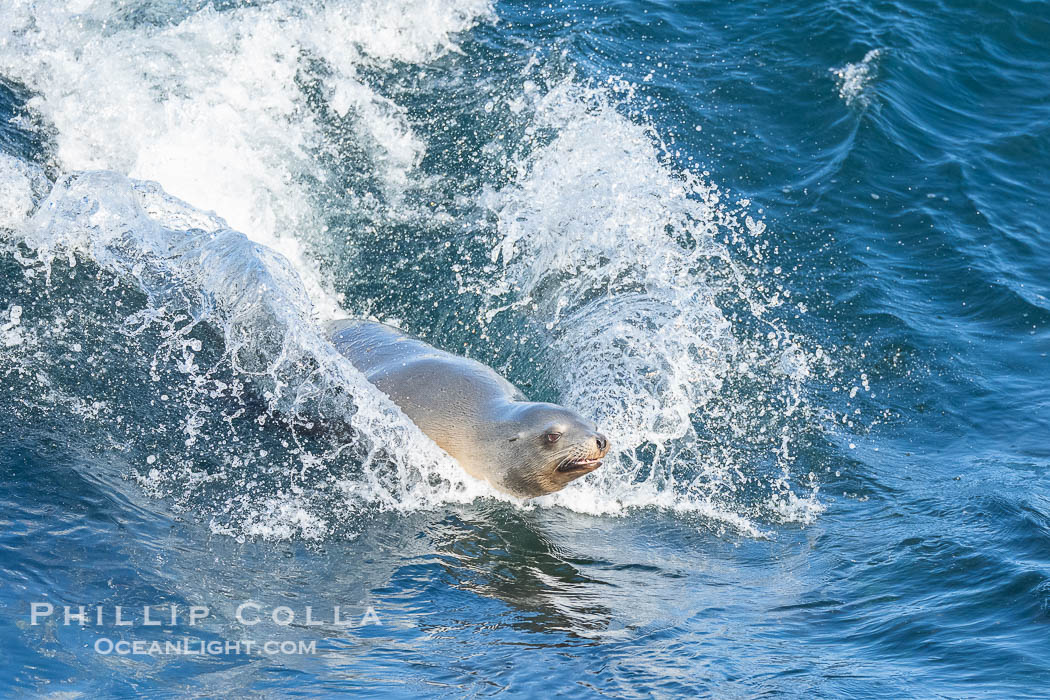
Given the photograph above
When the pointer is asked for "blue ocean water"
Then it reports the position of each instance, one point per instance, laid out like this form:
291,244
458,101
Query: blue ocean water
788,255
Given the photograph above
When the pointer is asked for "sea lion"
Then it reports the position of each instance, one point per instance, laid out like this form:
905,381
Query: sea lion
521,447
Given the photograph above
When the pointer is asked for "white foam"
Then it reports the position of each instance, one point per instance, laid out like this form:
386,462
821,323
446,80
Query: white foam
208,104
853,78
21,185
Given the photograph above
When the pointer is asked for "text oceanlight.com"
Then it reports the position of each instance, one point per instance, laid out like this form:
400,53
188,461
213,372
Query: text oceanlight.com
198,647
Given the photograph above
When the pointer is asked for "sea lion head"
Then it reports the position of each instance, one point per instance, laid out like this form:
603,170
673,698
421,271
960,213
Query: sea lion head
544,447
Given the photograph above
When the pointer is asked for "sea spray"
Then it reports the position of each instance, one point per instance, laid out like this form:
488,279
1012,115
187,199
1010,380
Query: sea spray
646,289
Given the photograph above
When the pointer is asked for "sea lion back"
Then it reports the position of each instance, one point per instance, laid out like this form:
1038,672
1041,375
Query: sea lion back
389,359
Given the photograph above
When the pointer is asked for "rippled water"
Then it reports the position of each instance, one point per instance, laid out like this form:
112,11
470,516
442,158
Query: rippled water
788,258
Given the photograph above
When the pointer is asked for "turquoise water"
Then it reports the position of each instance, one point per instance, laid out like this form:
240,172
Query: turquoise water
788,256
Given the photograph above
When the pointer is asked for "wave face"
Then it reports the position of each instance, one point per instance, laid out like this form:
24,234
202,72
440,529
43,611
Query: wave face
220,330
210,105
642,284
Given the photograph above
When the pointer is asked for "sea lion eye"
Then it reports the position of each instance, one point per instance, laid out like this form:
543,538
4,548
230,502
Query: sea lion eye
553,438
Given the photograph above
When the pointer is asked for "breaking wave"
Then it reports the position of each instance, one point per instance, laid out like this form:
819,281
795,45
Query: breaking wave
169,258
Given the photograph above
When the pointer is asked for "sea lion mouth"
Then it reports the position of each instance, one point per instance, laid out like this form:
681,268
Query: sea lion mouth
581,466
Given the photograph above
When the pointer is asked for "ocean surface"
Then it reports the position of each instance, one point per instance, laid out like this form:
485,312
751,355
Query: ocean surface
790,256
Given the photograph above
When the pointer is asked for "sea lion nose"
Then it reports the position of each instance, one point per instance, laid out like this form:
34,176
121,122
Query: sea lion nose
603,443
